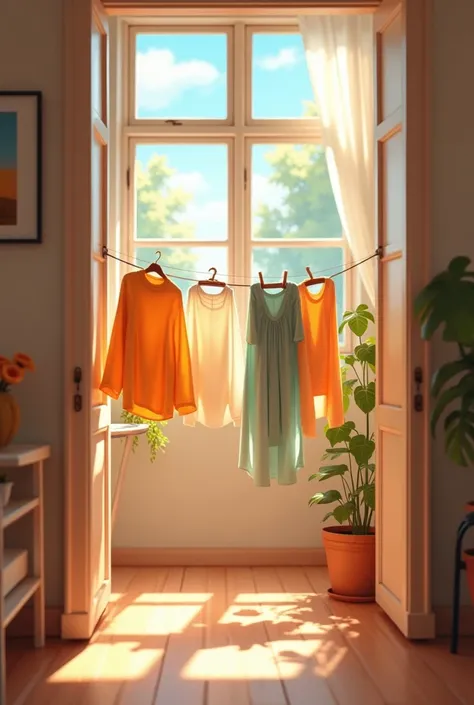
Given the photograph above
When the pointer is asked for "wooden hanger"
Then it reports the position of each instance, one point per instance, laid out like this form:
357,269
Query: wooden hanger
212,281
274,285
155,267
313,280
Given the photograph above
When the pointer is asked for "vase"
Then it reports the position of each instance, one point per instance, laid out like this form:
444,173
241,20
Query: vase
9,418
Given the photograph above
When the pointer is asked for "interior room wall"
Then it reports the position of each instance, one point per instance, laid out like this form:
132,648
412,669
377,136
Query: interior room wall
31,286
453,234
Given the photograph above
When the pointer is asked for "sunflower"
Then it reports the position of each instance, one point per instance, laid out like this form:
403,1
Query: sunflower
24,361
11,373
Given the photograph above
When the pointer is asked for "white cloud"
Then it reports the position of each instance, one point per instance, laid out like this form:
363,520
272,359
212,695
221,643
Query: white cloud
288,56
161,79
266,193
190,181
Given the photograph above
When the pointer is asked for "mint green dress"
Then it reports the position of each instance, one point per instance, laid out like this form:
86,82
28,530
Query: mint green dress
271,440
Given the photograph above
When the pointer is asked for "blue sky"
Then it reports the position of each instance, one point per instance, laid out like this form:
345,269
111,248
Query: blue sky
8,140
185,76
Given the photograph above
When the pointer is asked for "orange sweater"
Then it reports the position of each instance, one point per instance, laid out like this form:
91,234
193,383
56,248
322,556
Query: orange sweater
318,359
148,354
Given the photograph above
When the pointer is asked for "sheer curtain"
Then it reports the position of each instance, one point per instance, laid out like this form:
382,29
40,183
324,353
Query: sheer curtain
339,56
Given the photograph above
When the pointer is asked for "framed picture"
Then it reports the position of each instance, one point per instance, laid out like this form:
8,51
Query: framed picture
20,167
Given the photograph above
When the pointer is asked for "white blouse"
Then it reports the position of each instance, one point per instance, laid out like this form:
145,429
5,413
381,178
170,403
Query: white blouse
217,358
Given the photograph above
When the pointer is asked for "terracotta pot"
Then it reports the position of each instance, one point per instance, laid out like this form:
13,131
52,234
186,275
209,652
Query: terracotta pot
351,562
9,418
468,557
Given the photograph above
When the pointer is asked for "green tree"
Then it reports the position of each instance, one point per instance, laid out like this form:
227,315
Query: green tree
161,213
307,210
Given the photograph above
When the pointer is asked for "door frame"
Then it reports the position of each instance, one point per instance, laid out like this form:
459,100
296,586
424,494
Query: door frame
81,608
76,621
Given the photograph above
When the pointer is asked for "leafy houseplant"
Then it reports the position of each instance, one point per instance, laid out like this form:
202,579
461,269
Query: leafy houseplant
12,372
447,302
352,574
155,436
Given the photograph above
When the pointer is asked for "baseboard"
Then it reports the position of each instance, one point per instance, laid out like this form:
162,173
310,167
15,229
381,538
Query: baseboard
23,624
444,617
150,557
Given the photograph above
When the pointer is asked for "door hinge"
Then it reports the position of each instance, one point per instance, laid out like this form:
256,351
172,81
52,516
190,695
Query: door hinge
245,178
77,396
127,176
418,398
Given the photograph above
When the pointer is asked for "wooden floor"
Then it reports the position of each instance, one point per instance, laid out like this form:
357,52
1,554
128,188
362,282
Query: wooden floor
240,636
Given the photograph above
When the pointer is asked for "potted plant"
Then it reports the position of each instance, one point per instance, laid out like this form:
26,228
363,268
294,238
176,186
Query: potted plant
350,545
12,372
5,490
447,302
155,436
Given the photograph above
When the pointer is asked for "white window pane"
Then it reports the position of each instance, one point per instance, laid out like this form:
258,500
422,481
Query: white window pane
323,262
190,262
280,80
291,193
181,76
181,191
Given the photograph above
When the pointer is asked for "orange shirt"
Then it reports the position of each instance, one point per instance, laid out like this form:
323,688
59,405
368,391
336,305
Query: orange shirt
149,354
318,359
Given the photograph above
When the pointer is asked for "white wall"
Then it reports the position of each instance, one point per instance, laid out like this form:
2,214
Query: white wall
453,234
31,289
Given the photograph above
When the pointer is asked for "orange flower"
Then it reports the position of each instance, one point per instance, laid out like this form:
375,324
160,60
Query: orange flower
12,374
24,361
4,360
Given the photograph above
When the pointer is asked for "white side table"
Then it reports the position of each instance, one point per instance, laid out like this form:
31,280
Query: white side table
22,456
127,431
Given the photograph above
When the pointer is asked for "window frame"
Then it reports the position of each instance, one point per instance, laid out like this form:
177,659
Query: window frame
228,30
238,132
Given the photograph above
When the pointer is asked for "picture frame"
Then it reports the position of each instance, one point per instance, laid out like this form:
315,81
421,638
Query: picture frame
20,167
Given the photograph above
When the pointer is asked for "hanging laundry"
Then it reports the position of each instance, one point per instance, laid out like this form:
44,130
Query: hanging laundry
271,442
148,356
318,359
216,357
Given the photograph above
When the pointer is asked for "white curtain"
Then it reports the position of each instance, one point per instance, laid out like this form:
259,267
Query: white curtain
339,52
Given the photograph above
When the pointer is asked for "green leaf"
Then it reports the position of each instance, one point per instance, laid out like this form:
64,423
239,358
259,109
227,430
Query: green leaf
325,497
343,512
328,471
365,353
459,440
447,371
361,448
334,453
349,359
447,301
357,323
327,516
465,387
340,434
369,495
365,397
362,307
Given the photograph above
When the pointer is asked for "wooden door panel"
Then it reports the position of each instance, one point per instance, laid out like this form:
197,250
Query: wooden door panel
402,497
88,545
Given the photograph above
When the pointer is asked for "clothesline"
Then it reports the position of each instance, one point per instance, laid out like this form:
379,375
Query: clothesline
106,253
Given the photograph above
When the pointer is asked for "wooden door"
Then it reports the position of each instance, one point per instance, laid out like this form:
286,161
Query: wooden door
87,509
402,513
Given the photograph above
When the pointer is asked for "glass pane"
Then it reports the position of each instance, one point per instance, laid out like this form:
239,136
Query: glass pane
189,262
291,193
181,191
323,261
280,80
181,76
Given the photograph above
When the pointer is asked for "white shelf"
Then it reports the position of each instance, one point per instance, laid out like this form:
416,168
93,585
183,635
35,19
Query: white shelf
18,597
18,455
18,508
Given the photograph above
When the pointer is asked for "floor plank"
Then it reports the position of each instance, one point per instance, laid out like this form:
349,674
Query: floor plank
237,636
